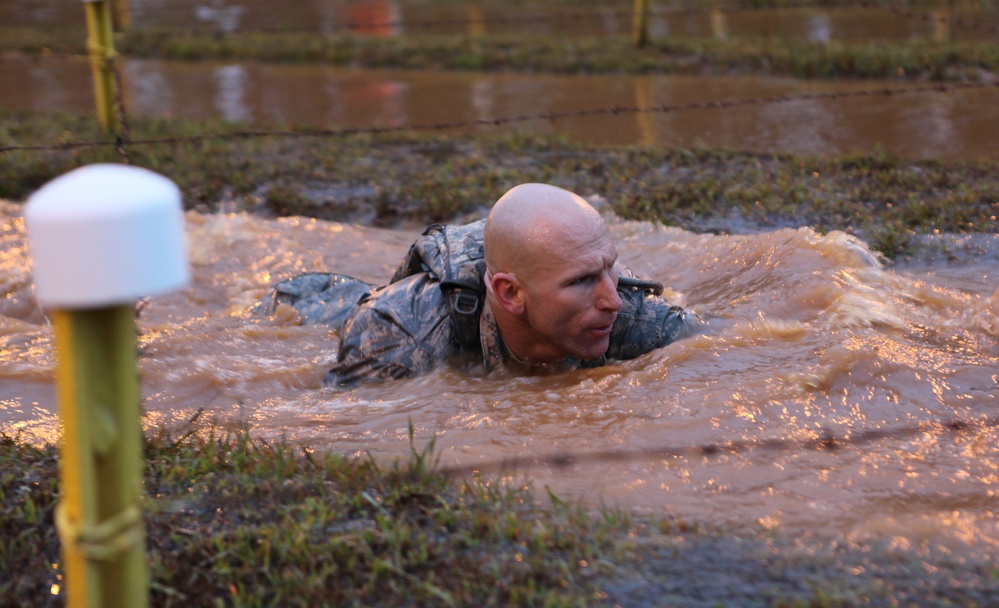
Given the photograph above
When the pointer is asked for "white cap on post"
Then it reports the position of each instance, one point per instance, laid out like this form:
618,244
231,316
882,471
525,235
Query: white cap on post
106,234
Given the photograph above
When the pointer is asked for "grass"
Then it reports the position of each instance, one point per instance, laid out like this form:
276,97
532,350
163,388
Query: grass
909,59
921,59
415,179
237,521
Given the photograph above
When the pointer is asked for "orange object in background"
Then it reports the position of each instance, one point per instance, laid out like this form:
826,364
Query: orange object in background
375,18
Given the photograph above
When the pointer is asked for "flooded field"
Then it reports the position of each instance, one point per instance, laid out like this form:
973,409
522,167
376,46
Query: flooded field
814,342
955,124
941,20
811,336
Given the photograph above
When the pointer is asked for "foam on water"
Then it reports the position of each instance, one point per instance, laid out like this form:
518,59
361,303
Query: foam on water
809,336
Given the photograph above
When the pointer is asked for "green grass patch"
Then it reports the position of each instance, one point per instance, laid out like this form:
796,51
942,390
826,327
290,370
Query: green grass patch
896,59
237,521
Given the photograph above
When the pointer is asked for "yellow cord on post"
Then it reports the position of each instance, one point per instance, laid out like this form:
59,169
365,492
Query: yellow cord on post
100,44
104,541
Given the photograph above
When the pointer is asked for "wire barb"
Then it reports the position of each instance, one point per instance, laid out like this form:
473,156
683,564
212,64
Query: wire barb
550,116
825,441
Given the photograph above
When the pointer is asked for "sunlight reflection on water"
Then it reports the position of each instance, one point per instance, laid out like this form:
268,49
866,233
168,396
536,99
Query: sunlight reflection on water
811,336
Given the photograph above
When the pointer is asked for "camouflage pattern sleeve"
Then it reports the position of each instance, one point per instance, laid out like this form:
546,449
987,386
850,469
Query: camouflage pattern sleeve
647,322
398,331
320,298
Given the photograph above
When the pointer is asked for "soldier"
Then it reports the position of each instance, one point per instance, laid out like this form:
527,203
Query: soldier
533,287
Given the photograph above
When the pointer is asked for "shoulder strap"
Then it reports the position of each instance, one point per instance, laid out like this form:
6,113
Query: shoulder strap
453,255
464,290
653,287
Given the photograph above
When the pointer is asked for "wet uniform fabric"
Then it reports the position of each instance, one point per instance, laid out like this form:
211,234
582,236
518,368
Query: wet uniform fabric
434,310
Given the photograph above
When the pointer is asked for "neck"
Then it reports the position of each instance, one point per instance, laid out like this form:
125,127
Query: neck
519,343
528,361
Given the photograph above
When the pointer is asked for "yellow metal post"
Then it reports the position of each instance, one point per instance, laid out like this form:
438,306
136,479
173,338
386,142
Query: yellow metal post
941,25
476,20
100,237
644,101
640,23
719,24
100,44
121,17
101,461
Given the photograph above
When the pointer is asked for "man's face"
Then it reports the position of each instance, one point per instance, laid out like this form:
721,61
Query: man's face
571,297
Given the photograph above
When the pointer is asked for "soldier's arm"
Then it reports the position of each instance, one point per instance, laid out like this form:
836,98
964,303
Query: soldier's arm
399,331
648,321
321,298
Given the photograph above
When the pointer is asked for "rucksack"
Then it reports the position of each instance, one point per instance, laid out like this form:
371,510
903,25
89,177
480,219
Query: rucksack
454,256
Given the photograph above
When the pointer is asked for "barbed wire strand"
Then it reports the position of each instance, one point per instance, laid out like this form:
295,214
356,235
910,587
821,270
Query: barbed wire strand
490,122
825,441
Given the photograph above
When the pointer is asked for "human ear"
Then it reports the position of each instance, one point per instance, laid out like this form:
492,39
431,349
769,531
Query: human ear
509,292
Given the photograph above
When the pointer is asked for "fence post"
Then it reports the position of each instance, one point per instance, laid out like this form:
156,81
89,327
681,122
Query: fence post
100,44
719,24
476,20
100,237
941,24
640,23
120,15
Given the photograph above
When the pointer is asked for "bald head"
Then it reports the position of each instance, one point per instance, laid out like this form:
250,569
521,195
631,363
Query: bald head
527,221
552,279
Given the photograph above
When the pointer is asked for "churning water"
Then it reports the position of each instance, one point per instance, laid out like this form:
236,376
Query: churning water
811,336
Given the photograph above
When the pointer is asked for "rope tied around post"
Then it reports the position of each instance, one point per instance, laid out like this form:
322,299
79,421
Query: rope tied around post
101,52
101,541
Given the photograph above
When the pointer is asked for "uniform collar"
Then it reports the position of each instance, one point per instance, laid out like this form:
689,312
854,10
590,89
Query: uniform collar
496,356
493,349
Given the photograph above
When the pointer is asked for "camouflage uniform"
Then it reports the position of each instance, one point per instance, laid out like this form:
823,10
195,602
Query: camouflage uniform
434,309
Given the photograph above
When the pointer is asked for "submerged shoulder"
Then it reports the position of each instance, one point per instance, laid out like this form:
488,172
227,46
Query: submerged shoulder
648,321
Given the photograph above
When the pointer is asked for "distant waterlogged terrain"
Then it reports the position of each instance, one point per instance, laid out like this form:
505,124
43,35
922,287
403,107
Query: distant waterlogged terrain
816,20
960,123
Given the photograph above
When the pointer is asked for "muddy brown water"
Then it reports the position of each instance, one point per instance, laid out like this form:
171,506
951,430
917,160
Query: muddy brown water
811,335
931,124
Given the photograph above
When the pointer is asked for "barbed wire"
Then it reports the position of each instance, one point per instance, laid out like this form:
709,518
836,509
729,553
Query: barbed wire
495,122
825,441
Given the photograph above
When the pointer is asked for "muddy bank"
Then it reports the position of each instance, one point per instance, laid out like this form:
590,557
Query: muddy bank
775,569
407,181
